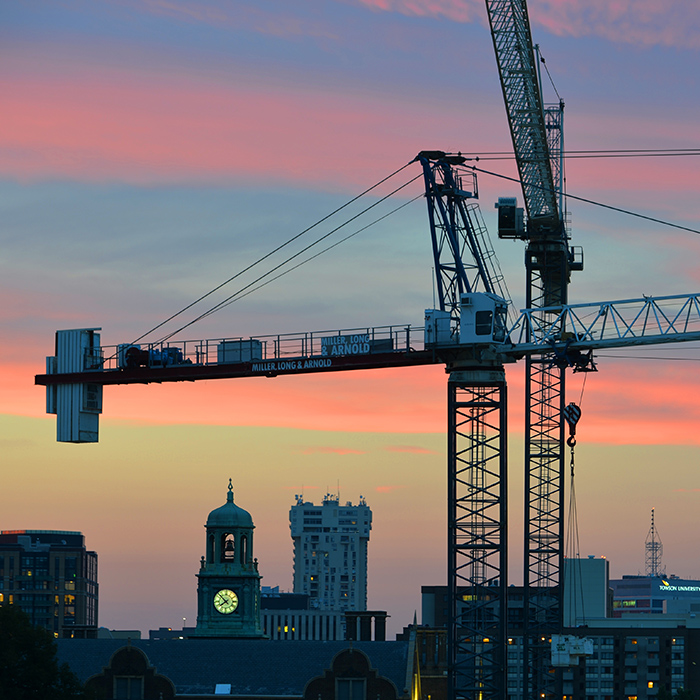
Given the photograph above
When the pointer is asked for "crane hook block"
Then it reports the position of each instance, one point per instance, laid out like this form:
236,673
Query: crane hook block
572,414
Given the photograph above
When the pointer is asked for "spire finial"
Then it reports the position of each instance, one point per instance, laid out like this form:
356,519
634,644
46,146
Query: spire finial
229,495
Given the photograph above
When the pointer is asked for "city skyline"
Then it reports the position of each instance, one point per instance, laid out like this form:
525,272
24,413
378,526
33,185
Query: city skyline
152,150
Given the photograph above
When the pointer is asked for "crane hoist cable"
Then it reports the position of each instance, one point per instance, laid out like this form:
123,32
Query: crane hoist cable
249,289
549,75
590,201
321,252
272,252
231,297
569,155
572,414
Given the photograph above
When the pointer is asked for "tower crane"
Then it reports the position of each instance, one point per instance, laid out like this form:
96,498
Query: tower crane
470,337
469,332
537,136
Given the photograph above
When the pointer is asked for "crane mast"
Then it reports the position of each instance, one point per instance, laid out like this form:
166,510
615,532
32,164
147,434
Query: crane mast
549,263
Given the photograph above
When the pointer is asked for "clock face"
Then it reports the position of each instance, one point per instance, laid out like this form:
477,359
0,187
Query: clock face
225,601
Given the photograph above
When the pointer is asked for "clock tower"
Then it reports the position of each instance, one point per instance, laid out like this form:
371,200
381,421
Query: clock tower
228,582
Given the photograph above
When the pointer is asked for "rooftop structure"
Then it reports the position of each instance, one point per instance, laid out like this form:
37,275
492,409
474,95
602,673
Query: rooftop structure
653,552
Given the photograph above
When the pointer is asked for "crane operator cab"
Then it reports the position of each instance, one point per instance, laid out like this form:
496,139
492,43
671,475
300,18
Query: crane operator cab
483,319
482,322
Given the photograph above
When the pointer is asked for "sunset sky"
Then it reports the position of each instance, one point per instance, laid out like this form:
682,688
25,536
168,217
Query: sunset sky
152,149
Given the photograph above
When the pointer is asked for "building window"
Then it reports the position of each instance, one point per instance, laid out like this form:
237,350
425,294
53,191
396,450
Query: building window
350,689
128,687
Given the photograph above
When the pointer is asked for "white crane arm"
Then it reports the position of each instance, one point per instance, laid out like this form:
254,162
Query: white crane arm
607,324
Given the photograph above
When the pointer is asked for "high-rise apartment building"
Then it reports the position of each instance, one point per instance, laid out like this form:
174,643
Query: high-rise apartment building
52,577
330,552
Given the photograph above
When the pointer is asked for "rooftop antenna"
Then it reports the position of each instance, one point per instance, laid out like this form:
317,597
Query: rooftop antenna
654,550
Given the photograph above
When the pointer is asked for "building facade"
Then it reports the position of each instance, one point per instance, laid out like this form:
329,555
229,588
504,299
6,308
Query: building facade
632,656
228,582
330,552
655,595
53,577
633,663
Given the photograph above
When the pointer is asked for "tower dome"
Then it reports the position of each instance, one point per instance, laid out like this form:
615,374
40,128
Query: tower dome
229,515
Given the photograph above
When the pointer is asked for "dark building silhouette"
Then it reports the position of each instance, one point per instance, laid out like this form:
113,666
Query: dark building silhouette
202,669
53,577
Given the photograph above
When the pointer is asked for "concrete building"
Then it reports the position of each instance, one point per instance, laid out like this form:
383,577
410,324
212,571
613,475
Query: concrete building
318,625
53,577
330,552
587,594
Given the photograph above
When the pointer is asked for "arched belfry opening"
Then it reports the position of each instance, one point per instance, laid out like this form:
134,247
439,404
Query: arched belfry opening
228,547
211,556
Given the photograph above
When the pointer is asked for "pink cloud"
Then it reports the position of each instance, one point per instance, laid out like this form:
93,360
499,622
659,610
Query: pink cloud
107,125
331,450
117,127
410,449
455,10
234,15
388,489
637,22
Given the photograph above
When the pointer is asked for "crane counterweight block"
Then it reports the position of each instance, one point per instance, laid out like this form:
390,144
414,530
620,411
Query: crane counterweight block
77,406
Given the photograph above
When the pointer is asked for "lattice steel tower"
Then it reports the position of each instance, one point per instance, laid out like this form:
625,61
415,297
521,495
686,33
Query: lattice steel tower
654,550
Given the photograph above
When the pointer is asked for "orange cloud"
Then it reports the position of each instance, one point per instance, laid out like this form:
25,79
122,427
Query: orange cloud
331,450
637,402
388,489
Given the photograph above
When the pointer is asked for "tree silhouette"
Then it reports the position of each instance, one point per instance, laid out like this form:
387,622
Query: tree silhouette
29,668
